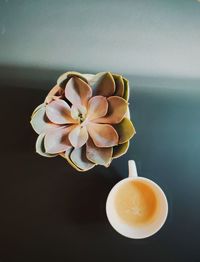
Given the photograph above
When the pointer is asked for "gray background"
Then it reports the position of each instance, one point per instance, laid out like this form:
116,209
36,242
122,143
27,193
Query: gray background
148,37
50,212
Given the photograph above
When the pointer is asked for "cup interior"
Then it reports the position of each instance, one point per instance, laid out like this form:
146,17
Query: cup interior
147,229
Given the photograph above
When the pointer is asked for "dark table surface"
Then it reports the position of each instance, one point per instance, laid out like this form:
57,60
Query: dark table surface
50,212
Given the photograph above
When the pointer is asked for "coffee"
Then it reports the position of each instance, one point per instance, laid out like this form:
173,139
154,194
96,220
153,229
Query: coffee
135,202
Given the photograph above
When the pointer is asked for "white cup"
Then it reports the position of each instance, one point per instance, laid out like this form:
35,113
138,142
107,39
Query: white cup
148,229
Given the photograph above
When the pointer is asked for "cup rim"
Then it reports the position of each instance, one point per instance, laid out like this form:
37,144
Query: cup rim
151,182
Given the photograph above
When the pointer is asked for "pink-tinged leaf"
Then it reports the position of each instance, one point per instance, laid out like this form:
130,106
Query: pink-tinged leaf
55,93
74,112
57,141
97,155
117,108
97,107
59,112
78,158
78,92
78,136
62,80
40,122
103,135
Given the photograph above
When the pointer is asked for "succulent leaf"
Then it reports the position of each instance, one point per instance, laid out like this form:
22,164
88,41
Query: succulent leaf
126,89
78,92
78,136
66,157
102,84
119,85
36,109
117,108
55,93
125,130
59,112
97,155
79,159
57,141
64,78
39,146
40,123
97,107
103,135
120,149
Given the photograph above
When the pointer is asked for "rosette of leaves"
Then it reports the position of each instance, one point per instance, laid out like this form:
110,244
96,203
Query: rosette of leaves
85,119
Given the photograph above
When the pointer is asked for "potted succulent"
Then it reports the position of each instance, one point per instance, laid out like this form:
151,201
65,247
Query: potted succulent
85,119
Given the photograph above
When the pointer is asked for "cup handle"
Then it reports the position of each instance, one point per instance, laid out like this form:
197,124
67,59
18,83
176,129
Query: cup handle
132,169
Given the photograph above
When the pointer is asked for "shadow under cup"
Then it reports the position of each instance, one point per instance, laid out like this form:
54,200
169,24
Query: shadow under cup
137,230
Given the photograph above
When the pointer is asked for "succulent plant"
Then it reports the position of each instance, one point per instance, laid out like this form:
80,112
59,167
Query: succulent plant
85,119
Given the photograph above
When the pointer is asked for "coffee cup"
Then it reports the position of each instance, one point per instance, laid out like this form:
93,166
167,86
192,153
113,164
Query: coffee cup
136,207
